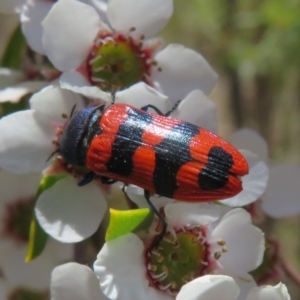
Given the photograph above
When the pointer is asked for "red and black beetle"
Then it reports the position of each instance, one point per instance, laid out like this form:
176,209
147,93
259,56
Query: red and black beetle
162,155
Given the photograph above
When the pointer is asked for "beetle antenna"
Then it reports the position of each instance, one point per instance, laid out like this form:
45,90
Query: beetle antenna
52,154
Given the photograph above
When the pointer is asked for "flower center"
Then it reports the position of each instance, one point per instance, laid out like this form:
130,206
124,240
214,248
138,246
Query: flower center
178,260
26,294
116,63
17,219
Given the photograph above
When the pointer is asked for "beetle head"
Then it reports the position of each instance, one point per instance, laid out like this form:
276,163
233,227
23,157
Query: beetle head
74,139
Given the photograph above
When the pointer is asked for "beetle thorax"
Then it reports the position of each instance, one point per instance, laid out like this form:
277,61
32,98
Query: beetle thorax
77,134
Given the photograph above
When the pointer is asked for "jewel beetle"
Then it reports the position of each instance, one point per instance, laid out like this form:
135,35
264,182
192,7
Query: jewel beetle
160,154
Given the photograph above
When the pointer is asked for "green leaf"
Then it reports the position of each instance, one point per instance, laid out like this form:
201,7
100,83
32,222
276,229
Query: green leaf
13,54
48,181
8,108
37,236
37,241
125,221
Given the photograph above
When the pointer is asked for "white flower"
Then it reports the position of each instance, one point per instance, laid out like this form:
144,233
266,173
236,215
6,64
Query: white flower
193,245
70,213
73,281
13,85
95,58
281,198
27,136
242,246
27,142
210,287
16,211
32,15
268,292
77,282
33,12
224,287
26,139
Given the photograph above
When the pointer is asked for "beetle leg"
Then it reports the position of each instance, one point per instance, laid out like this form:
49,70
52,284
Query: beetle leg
124,188
87,178
146,107
173,108
159,112
160,217
106,180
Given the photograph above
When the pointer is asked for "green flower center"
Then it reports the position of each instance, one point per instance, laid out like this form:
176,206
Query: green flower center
26,294
116,63
178,261
16,222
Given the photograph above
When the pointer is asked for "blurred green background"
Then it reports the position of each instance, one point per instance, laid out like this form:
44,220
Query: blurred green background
254,46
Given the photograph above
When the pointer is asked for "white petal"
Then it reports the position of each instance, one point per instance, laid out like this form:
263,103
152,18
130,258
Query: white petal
282,197
74,81
268,292
244,280
74,281
9,77
120,266
180,214
33,13
101,8
27,185
254,184
54,102
210,287
25,141
66,39
197,109
183,70
244,241
35,274
70,213
141,94
15,93
249,139
146,16
11,6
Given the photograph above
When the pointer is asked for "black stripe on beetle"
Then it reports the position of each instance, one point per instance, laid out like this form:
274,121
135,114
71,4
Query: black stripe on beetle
215,174
170,155
128,139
